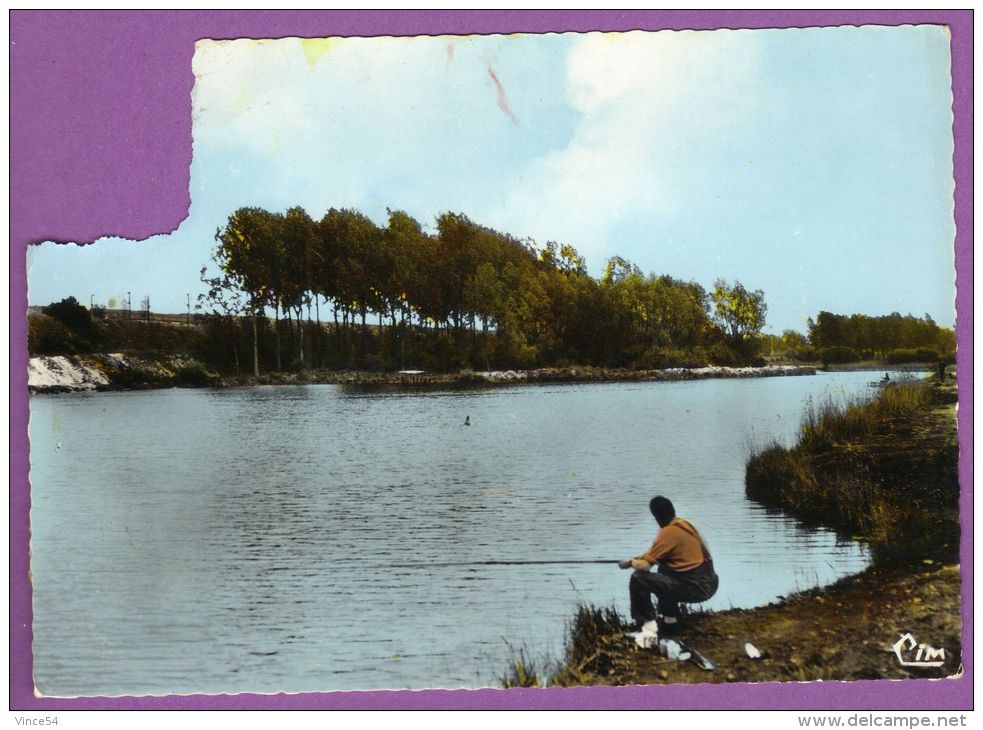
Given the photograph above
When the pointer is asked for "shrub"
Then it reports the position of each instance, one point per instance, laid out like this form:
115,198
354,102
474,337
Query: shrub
71,314
778,476
720,354
85,334
656,358
805,353
833,355
47,336
920,355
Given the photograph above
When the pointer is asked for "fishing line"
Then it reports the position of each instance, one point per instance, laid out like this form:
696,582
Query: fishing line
473,564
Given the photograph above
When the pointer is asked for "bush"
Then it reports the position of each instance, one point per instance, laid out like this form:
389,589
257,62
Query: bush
656,358
920,355
805,353
84,333
833,355
71,314
47,336
720,354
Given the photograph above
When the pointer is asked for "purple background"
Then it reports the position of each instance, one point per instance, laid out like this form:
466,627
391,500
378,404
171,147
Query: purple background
100,143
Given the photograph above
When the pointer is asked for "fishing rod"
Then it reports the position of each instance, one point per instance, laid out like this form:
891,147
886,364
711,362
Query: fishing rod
473,563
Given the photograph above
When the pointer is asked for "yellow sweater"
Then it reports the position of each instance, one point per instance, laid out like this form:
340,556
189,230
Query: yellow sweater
677,546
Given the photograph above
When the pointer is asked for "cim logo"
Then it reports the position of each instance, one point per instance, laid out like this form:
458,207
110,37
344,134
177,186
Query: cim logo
925,656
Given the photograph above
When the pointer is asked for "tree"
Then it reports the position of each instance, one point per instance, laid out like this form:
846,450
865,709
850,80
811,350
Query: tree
299,245
618,270
71,314
243,255
226,305
740,313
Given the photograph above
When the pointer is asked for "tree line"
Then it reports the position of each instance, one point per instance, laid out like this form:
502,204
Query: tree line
893,338
344,292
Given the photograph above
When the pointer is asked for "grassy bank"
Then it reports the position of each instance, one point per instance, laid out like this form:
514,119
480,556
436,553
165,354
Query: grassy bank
841,632
883,472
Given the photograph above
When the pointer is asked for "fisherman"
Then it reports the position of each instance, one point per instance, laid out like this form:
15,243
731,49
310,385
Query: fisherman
685,570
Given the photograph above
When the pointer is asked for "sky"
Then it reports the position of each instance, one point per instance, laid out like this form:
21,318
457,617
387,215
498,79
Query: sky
814,164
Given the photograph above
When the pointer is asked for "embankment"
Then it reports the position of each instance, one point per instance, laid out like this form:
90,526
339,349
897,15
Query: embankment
515,377
884,473
115,371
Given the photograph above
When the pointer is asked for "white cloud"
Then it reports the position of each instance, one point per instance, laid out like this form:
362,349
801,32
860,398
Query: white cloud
375,122
357,119
653,105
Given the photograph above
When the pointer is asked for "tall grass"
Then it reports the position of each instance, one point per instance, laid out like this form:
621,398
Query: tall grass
595,639
830,422
594,646
873,470
524,671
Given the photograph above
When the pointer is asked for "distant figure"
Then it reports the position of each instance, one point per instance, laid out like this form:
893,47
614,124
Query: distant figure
941,371
886,378
685,570
467,420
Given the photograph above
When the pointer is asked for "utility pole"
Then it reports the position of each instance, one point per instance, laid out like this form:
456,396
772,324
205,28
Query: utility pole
129,304
189,307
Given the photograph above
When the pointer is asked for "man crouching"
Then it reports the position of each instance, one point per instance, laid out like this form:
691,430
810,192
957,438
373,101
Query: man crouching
685,573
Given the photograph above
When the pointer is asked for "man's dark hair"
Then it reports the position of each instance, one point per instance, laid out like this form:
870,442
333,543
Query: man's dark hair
662,510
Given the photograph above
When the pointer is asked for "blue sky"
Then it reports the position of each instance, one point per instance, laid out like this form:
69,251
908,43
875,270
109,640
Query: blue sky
814,164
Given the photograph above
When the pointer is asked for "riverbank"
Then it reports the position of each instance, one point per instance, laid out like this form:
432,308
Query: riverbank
884,473
846,631
116,371
511,377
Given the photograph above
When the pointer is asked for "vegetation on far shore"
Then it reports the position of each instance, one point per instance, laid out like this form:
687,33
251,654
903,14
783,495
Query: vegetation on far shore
67,328
287,294
884,472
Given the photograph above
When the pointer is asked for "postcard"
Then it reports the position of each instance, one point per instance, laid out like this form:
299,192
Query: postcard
372,355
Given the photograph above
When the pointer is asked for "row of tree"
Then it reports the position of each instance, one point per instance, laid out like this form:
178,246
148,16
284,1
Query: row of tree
464,296
880,335
893,338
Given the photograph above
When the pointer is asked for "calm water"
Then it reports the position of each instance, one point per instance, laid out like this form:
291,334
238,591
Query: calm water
257,539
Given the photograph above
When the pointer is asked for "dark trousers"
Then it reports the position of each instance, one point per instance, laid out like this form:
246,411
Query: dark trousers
670,588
